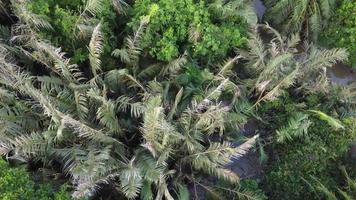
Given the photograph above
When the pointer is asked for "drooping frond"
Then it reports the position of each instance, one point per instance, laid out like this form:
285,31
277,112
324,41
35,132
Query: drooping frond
125,103
218,155
226,9
130,179
91,169
183,192
158,133
226,67
95,49
175,104
335,123
93,8
25,146
56,60
175,65
131,51
27,17
119,6
279,65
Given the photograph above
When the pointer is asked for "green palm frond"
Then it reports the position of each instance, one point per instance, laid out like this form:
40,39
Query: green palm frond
107,116
113,78
130,179
82,105
183,192
276,66
51,56
146,191
157,132
226,9
136,108
90,169
212,119
326,58
297,128
293,16
335,123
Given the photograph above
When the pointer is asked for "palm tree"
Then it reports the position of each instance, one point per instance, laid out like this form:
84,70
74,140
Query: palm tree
141,141
300,16
279,65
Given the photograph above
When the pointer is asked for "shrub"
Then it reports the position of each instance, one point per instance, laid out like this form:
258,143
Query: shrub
69,25
295,165
341,31
176,26
15,183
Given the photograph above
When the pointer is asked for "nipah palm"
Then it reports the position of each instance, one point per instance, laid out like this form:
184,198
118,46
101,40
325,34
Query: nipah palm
141,142
297,15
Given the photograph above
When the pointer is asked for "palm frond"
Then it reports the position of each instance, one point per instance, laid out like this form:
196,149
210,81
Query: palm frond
95,49
92,8
335,123
130,179
297,128
27,17
131,51
175,105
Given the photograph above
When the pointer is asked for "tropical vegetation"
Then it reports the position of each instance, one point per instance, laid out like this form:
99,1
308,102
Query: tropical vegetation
151,99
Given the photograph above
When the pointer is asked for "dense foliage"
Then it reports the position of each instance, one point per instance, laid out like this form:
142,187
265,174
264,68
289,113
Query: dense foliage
341,30
150,99
70,23
15,183
323,148
306,16
199,27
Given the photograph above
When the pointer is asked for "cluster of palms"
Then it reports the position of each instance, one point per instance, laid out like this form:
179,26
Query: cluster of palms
136,128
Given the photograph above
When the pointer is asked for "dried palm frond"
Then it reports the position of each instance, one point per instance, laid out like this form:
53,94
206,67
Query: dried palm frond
95,49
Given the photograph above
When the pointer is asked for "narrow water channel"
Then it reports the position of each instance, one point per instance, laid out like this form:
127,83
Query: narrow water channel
260,9
342,74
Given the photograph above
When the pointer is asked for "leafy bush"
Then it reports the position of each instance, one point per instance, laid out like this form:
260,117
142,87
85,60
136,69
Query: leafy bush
295,165
70,24
347,191
176,26
15,184
341,31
